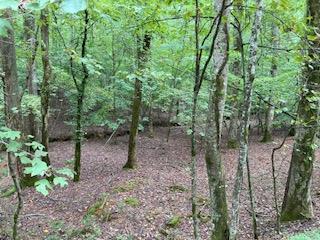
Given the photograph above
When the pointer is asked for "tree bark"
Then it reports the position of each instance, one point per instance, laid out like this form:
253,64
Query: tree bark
215,169
297,202
233,141
30,34
220,66
267,131
245,118
143,52
12,108
81,88
45,85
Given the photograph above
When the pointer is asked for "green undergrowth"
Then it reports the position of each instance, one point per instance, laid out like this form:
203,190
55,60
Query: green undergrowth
127,186
7,192
59,230
309,235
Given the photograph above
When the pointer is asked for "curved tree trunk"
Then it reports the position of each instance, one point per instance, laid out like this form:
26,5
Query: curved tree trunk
297,202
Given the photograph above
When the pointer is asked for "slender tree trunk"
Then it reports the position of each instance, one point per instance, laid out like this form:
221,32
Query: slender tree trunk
80,98
45,85
267,131
12,108
245,118
169,119
297,202
150,124
30,126
143,52
233,141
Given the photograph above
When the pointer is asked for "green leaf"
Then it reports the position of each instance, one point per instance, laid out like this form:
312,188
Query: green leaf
41,4
66,171
38,168
13,4
73,6
42,186
13,146
4,27
62,181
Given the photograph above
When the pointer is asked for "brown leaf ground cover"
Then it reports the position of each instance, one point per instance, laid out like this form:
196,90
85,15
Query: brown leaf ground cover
152,201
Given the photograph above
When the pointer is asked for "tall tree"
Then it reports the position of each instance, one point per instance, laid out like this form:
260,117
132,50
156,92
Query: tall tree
269,115
215,170
45,84
30,34
12,104
236,69
297,202
81,87
143,50
220,66
245,117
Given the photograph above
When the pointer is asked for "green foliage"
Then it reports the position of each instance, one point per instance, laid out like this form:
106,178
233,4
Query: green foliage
132,201
30,104
4,26
127,186
73,6
124,237
89,230
33,164
13,4
311,235
174,221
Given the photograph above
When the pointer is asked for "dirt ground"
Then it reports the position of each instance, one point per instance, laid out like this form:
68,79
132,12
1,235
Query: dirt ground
140,203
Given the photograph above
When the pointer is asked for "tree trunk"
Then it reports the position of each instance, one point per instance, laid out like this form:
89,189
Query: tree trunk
12,108
45,85
245,118
219,209
80,98
269,115
150,123
233,141
220,67
267,131
297,202
30,126
143,52
29,122
215,170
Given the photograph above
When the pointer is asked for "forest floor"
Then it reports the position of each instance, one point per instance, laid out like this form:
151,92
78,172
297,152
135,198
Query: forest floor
152,201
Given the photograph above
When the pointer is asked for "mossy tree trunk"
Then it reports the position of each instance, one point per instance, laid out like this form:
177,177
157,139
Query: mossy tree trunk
142,55
269,115
30,126
45,85
12,108
233,138
81,87
215,169
297,202
245,117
